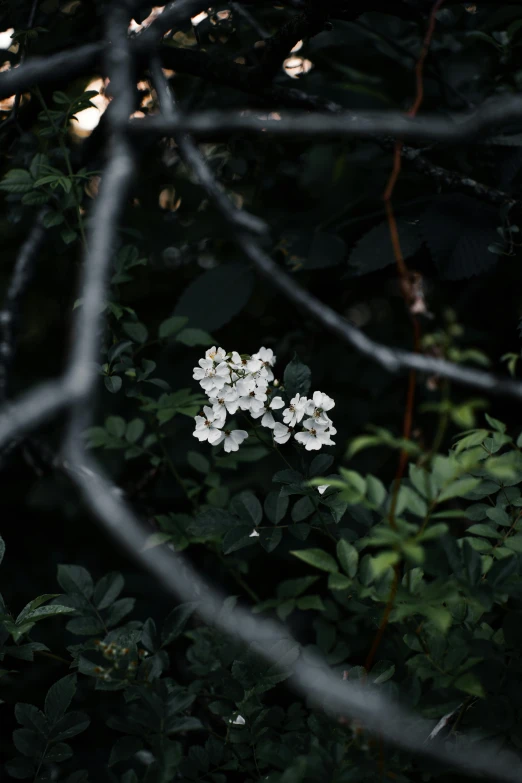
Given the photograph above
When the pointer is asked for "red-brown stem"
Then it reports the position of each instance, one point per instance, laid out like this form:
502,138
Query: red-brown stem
406,290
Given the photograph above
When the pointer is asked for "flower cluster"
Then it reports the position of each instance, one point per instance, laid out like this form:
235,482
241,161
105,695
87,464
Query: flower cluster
234,382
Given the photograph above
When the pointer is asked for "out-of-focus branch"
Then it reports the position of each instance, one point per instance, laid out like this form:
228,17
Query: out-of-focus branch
464,127
18,283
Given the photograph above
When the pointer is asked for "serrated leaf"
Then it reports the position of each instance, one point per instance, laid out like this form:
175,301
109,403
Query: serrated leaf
59,697
176,621
17,181
75,579
108,589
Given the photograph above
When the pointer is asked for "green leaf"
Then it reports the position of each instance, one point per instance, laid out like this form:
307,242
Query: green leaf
68,235
495,423
171,326
317,558
484,530
238,538
176,621
32,718
247,507
292,588
113,384
198,462
59,697
458,488
382,562
20,768
192,337
514,543
75,579
108,589
320,464
69,726
381,672
137,331
472,563
276,506
297,378
348,557
34,604
28,742
469,683
310,602
2,548
339,582
115,426
134,430
124,748
17,181
302,509
216,296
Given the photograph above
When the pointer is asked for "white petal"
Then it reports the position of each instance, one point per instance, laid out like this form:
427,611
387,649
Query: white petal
268,420
214,435
277,403
253,534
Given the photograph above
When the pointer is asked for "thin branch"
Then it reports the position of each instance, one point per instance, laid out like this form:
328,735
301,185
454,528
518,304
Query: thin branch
20,279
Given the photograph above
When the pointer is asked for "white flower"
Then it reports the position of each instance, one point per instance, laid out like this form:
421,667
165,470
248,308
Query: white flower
208,427
239,721
253,365
281,432
216,354
205,366
296,411
318,405
266,356
268,420
246,364
211,378
314,436
254,534
225,400
322,488
251,393
232,438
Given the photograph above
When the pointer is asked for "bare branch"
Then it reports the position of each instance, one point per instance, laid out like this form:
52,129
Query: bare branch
41,70
464,127
20,279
